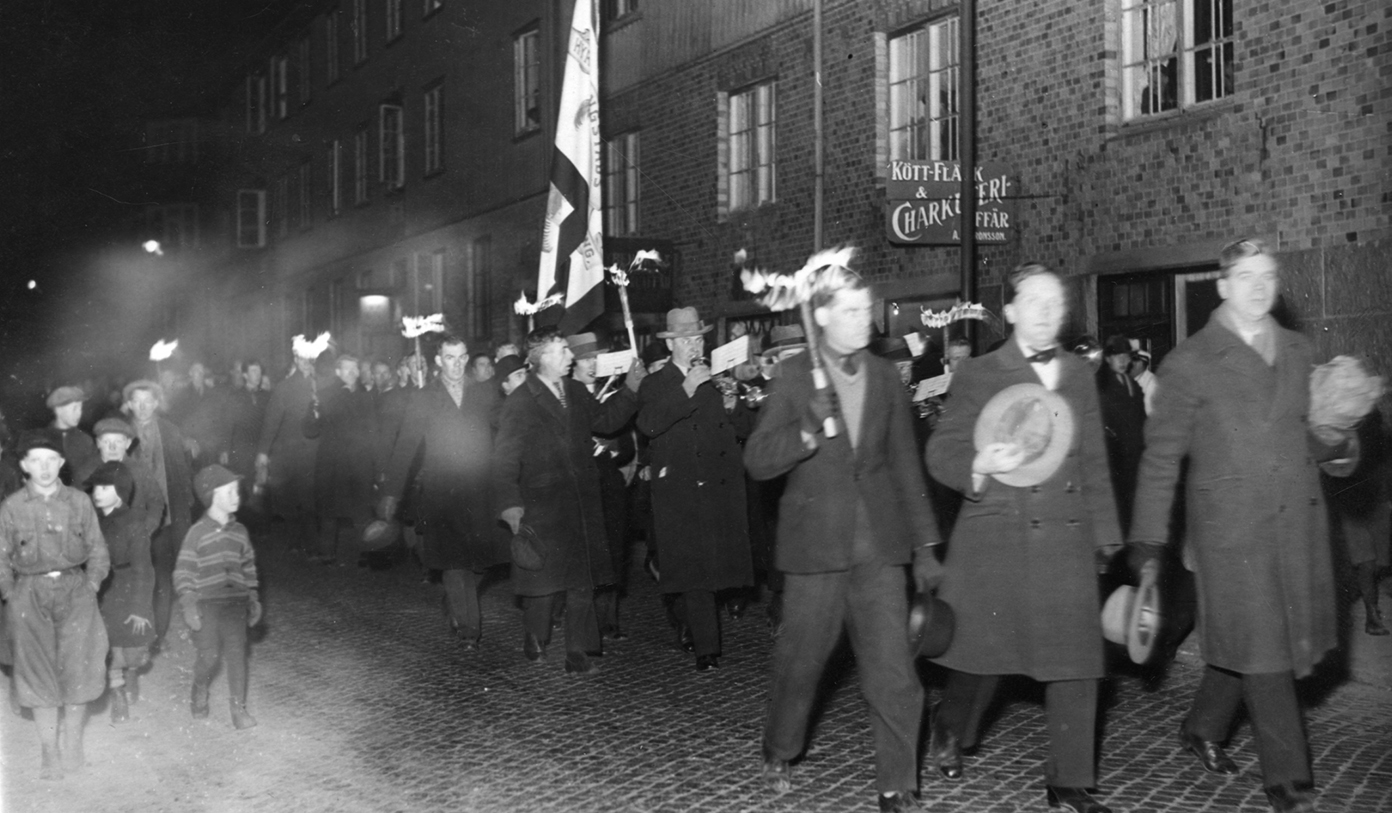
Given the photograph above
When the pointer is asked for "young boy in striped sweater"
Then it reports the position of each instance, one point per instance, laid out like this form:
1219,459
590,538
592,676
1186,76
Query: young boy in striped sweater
215,579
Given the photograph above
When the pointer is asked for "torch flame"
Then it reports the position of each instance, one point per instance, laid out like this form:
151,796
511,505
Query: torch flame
310,350
524,308
163,350
781,292
413,326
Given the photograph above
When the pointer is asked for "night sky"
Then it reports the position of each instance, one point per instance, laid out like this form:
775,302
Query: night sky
79,80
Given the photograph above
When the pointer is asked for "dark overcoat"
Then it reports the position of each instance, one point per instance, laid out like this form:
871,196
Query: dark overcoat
1257,533
178,477
1021,561
454,445
290,478
243,413
543,461
697,483
817,512
345,422
1123,425
130,589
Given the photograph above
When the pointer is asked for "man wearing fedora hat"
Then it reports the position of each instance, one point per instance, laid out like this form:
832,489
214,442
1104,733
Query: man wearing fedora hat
854,513
1022,441
1234,399
697,485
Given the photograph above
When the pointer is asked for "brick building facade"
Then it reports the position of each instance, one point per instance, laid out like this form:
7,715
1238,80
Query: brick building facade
1140,135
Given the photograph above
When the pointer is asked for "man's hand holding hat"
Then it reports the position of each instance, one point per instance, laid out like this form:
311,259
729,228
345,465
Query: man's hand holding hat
1138,554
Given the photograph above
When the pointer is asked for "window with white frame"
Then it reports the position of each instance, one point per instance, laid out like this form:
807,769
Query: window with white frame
360,165
526,69
302,74
432,103
334,163
621,185
359,30
251,218
256,104
304,190
393,19
280,86
333,65
923,88
752,168
392,138
478,289
1175,54
431,6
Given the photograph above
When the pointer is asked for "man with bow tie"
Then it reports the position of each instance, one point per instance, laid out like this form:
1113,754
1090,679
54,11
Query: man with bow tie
1021,568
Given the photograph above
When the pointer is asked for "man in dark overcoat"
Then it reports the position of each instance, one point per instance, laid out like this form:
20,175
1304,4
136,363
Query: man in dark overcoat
285,457
854,512
697,484
160,447
1233,399
447,427
243,413
1123,422
343,416
545,477
1021,567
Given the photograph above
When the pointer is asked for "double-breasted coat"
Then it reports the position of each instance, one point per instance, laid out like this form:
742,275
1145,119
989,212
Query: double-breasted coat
697,483
817,512
1021,569
1256,526
454,445
543,461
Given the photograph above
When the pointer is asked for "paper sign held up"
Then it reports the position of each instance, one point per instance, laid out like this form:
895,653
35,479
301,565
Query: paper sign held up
616,363
915,342
730,354
929,387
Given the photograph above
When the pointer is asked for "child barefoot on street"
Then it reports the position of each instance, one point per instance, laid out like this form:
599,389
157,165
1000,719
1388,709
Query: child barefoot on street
215,579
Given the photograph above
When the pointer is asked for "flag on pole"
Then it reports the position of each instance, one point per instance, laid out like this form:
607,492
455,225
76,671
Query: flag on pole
572,249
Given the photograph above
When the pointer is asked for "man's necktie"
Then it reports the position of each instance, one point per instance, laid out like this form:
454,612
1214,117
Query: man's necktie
848,364
1043,356
560,393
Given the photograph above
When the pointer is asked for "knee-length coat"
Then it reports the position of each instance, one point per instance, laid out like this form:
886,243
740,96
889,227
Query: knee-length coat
345,424
697,483
1021,569
130,589
543,461
454,445
1257,531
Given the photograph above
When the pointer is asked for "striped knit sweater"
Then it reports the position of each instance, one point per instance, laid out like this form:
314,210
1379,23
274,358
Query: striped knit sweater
216,561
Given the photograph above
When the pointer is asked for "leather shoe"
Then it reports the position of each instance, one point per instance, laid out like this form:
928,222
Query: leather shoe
1290,798
578,663
469,644
706,663
737,606
1374,625
944,750
901,802
613,634
778,774
684,640
533,648
1211,754
1078,799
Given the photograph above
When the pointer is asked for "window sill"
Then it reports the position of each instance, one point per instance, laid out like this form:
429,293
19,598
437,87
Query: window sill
434,173
1176,118
623,22
526,134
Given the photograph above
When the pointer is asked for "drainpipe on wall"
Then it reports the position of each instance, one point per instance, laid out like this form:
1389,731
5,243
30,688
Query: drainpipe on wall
817,148
966,133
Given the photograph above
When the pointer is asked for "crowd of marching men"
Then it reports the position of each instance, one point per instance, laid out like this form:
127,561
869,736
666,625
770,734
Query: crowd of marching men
803,470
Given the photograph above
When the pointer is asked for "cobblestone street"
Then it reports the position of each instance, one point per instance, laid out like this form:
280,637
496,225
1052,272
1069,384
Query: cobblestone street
365,704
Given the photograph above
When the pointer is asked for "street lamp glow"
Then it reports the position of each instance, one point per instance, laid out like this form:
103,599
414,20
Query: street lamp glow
153,247
32,284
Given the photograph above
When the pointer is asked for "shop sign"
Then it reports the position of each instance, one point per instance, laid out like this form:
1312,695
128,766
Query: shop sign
923,203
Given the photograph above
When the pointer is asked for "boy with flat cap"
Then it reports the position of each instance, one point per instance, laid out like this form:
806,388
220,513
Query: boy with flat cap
127,600
52,560
78,449
216,581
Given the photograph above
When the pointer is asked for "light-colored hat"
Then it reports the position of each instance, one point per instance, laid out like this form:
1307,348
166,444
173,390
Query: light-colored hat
785,339
1131,616
64,396
684,322
1035,418
583,345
